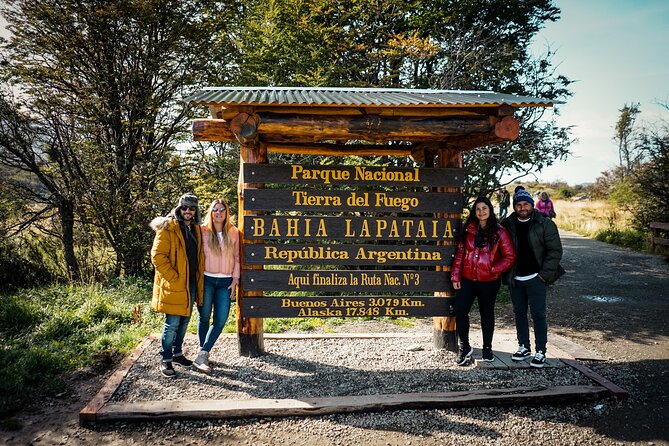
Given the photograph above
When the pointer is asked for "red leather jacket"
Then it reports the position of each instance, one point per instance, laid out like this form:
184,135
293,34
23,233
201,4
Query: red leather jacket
483,264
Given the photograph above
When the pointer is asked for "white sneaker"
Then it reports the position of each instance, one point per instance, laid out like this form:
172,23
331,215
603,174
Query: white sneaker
201,363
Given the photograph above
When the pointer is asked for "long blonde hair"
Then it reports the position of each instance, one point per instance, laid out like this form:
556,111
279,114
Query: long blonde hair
208,222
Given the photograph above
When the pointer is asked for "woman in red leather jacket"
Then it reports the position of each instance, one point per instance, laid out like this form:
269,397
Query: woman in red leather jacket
485,251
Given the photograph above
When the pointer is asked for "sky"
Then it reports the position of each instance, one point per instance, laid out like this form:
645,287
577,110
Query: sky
618,52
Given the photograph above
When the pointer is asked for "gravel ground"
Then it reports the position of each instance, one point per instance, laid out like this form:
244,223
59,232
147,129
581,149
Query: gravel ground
327,367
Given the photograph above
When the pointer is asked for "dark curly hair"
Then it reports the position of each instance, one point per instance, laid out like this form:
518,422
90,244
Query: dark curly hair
487,235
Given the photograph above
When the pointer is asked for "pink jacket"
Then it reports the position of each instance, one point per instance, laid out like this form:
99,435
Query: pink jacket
545,207
228,263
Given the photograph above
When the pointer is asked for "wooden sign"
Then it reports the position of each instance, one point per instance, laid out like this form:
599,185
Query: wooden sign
345,306
350,228
340,254
350,280
351,201
352,175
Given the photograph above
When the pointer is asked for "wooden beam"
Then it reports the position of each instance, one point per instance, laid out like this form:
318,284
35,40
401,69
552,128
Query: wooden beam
369,128
316,128
272,407
444,331
249,330
340,149
245,128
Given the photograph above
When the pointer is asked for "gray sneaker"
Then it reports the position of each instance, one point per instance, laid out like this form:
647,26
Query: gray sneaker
201,363
521,354
539,360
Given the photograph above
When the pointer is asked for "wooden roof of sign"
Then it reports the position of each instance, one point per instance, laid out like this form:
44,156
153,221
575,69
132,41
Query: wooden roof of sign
344,121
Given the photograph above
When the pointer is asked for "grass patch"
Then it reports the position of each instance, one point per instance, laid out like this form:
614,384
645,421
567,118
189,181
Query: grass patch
61,328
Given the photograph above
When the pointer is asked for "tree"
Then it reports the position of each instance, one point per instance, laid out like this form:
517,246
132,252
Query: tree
441,44
652,176
115,72
35,170
627,138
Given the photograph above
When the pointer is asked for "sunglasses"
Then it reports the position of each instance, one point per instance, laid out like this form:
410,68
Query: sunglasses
221,209
188,208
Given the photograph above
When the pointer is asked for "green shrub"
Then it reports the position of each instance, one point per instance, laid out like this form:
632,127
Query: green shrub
628,238
17,271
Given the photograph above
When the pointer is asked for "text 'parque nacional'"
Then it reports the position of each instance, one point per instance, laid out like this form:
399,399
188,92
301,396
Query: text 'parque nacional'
360,173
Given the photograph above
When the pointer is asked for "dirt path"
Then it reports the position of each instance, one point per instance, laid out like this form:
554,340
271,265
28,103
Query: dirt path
615,301
612,301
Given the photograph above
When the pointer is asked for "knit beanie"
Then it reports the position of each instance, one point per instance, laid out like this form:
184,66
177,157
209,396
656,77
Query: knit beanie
522,195
518,188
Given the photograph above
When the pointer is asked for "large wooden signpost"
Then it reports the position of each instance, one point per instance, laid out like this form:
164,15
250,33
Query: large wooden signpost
405,219
342,240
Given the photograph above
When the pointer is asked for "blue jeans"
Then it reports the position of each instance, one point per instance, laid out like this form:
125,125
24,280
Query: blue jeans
174,330
533,293
216,297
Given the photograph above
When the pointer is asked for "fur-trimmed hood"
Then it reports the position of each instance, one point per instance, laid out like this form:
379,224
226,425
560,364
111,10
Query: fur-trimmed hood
160,223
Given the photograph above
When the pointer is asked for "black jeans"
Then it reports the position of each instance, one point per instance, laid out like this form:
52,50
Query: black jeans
486,292
530,293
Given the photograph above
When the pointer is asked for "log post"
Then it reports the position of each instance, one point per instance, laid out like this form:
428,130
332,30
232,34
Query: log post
249,330
444,332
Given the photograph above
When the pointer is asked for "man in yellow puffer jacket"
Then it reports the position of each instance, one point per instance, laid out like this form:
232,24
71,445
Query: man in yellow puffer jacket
178,257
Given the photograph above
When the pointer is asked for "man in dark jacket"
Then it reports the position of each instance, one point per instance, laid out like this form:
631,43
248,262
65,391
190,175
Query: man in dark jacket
538,252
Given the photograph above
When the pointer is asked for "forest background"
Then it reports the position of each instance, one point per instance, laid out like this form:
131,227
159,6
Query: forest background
95,137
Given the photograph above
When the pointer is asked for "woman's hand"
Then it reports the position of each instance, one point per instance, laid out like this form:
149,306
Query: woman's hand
456,285
232,288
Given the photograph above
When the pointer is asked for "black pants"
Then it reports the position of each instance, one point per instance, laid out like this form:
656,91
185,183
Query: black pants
486,292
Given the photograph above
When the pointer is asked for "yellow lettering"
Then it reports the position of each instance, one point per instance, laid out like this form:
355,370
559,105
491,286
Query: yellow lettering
322,230
258,227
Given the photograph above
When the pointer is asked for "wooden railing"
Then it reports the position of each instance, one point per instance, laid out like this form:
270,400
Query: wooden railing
656,228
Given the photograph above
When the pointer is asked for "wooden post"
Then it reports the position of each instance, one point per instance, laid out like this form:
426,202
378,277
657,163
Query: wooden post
444,332
249,330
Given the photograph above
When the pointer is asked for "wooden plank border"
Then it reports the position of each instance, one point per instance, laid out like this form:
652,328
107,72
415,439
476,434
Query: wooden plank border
89,413
243,408
616,391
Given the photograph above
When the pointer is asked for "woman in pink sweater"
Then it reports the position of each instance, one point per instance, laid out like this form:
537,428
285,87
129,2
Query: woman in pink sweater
221,275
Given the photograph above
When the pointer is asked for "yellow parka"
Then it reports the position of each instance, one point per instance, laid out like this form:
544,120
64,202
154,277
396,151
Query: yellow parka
171,294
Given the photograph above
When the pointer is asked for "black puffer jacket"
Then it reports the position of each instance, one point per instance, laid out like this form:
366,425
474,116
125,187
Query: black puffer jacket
545,243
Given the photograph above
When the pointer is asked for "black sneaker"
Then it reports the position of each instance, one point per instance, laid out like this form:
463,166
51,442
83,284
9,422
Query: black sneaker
182,360
521,354
539,359
486,354
167,370
464,355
